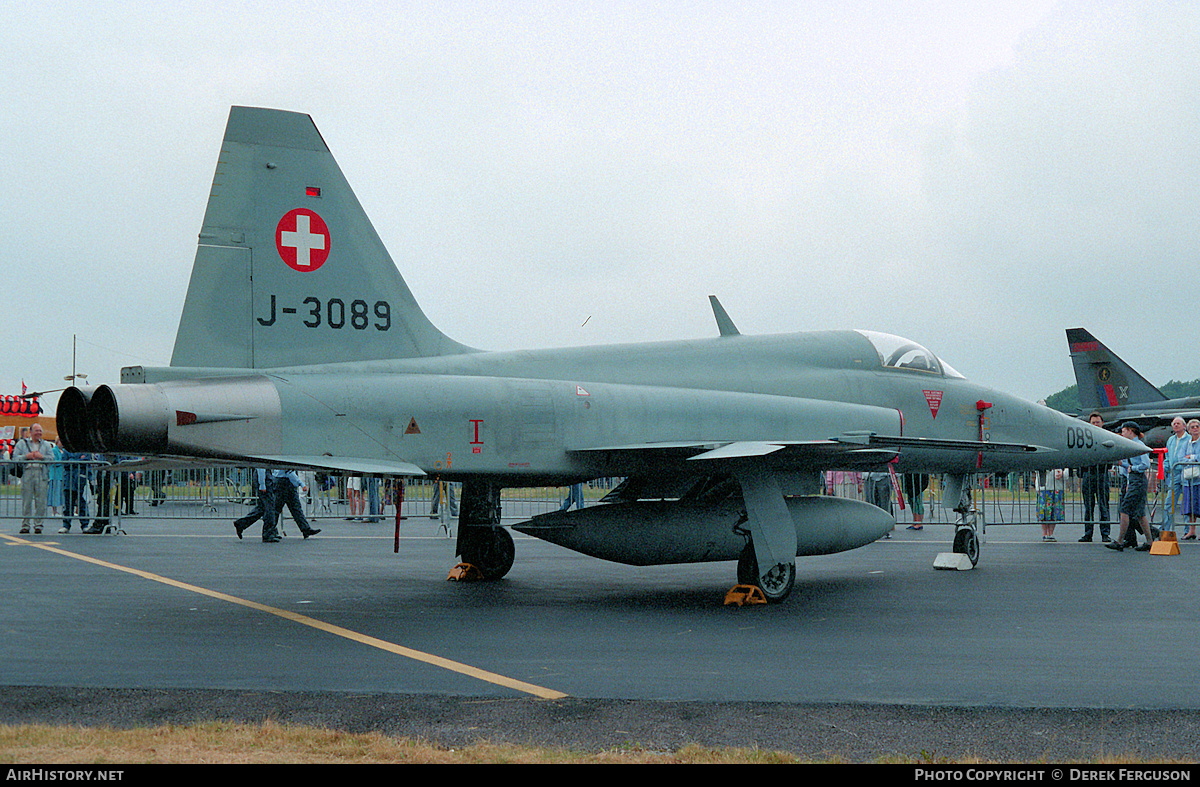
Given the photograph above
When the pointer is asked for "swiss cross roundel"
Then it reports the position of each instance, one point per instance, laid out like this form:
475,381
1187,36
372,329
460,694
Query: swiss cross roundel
302,239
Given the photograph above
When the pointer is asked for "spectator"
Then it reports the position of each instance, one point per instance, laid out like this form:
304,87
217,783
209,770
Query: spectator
1133,500
54,484
878,490
1094,483
574,497
1173,494
355,496
77,475
1189,474
264,506
438,487
374,504
285,489
33,453
914,489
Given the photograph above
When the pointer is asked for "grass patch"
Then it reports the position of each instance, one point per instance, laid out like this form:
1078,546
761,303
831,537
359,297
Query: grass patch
272,743
269,743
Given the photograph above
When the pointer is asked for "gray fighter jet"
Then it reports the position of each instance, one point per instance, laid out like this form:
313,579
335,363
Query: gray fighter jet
300,345
1111,387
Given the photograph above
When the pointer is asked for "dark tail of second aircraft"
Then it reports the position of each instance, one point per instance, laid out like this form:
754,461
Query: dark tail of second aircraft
1105,381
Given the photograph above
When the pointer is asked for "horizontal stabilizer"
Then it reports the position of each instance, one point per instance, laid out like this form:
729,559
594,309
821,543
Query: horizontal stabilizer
346,464
337,464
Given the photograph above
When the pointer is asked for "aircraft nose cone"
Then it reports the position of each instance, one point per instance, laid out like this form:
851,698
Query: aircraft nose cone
1119,447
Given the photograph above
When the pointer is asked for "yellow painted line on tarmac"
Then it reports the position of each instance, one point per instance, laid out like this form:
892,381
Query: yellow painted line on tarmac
304,620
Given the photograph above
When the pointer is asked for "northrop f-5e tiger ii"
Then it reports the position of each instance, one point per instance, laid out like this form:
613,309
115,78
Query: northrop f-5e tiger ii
300,345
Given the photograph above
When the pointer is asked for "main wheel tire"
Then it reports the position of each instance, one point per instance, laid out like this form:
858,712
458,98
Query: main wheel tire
776,585
966,542
489,549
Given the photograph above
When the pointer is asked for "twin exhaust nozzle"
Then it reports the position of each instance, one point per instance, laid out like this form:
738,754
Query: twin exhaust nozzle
211,417
105,421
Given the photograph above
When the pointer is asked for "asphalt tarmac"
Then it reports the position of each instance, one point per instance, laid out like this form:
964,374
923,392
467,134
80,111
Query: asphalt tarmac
1046,651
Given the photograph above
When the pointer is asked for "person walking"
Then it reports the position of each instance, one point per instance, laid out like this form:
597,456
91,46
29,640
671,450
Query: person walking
1133,500
264,506
285,489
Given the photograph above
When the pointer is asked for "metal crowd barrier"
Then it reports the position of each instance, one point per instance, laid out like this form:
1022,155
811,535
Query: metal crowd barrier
1173,503
229,492
1050,496
225,492
92,477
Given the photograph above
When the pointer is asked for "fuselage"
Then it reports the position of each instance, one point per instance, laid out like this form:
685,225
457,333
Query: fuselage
530,413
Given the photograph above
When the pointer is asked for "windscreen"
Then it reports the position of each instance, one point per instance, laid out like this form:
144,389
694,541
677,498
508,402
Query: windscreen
896,352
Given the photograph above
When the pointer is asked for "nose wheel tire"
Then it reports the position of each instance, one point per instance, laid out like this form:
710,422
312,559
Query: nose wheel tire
966,542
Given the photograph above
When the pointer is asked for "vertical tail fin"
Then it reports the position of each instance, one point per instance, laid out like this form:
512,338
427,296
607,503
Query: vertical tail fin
1104,379
289,270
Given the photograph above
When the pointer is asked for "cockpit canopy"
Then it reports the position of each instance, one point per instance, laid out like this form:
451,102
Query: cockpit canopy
896,352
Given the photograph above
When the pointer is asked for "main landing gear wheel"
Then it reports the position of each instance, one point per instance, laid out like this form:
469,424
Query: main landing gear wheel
778,582
966,542
489,549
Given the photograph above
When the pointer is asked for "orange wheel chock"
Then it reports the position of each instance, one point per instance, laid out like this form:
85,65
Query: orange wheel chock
464,572
1166,544
741,595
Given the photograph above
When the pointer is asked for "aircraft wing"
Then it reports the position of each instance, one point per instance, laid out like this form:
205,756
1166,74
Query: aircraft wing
855,451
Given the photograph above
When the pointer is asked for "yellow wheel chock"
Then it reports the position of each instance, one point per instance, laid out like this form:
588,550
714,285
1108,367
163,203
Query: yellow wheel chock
464,572
1165,544
741,595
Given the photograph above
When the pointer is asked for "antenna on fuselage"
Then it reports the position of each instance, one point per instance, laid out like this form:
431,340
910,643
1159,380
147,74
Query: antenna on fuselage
724,324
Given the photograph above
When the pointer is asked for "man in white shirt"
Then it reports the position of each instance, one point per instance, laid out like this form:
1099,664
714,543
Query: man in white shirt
33,452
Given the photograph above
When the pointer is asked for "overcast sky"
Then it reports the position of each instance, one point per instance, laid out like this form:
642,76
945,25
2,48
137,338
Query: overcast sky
976,176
